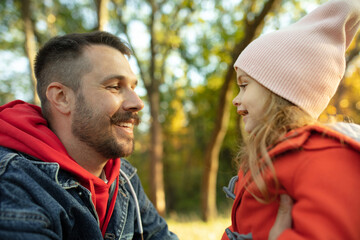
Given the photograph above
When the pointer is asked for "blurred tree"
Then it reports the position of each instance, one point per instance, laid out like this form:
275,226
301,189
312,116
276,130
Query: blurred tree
252,25
6,96
184,52
26,25
102,14
223,36
30,42
345,105
162,20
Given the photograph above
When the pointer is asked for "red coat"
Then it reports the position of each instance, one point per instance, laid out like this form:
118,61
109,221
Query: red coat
320,169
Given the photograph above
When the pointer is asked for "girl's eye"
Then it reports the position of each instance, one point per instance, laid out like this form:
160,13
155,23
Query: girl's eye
243,86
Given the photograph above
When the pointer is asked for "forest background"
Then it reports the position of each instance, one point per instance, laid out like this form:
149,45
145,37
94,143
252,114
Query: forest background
183,55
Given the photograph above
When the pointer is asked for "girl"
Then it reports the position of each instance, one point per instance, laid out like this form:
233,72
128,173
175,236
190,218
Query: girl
286,79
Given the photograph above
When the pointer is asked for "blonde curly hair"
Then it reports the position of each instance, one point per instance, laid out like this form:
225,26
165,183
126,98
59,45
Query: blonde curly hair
280,117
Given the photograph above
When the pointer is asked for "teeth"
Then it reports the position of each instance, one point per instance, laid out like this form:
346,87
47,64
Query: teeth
123,124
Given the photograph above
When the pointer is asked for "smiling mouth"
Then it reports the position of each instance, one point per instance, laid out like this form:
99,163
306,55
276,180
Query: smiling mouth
125,124
242,112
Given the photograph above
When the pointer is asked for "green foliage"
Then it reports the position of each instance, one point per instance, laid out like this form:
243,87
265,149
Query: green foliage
194,41
5,97
11,36
49,18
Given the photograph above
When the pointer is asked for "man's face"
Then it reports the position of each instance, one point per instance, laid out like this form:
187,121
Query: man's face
106,105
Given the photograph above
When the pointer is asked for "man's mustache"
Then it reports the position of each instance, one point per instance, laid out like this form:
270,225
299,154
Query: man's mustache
124,117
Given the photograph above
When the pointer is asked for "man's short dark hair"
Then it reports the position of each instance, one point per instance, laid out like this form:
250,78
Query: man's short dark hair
60,60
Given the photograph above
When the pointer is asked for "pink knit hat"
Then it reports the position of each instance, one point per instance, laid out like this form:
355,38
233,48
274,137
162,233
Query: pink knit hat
305,61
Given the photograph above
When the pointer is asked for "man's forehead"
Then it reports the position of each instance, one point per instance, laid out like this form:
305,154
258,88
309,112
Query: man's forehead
109,59
102,49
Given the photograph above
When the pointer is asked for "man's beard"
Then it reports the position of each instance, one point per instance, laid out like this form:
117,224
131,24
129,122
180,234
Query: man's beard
96,130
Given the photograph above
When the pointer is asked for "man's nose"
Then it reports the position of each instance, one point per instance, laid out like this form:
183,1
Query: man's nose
132,102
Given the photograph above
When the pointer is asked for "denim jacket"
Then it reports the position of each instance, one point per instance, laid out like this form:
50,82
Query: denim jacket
38,200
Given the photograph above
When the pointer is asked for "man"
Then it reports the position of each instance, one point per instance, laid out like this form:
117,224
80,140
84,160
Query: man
60,175
59,165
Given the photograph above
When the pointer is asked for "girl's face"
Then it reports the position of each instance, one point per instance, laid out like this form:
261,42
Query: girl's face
251,100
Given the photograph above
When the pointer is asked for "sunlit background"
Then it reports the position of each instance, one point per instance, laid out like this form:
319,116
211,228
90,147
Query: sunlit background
183,56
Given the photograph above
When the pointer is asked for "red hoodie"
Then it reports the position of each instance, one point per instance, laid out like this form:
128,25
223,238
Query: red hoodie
25,130
319,169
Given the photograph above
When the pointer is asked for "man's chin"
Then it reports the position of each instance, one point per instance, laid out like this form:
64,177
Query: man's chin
126,154
124,151
117,149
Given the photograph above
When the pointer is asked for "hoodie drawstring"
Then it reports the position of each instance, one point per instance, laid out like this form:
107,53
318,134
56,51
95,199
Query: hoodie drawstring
136,204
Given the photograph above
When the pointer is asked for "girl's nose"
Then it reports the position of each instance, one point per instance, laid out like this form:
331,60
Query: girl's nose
236,101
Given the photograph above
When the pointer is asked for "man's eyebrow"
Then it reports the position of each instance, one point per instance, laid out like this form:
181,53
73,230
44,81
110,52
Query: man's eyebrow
110,77
118,77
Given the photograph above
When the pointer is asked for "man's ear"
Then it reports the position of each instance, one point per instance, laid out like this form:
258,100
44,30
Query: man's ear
60,97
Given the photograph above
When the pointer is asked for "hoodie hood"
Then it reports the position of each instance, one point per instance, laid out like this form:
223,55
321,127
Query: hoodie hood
24,129
351,130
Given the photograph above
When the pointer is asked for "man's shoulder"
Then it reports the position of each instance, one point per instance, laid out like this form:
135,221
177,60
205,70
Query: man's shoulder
6,155
127,168
12,160
4,151
8,152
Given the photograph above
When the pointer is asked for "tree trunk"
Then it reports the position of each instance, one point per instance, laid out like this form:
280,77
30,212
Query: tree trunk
209,209
156,157
156,154
213,148
30,44
102,14
151,83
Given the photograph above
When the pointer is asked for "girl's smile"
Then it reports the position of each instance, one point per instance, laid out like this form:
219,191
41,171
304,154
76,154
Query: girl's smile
251,100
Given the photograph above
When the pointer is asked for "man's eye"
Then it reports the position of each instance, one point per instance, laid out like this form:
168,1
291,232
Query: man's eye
117,88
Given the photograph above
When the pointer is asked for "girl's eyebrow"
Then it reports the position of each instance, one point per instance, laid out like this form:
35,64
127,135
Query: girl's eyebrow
241,77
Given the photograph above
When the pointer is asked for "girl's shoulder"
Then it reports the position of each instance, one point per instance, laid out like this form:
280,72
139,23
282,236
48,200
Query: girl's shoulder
320,136
351,130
